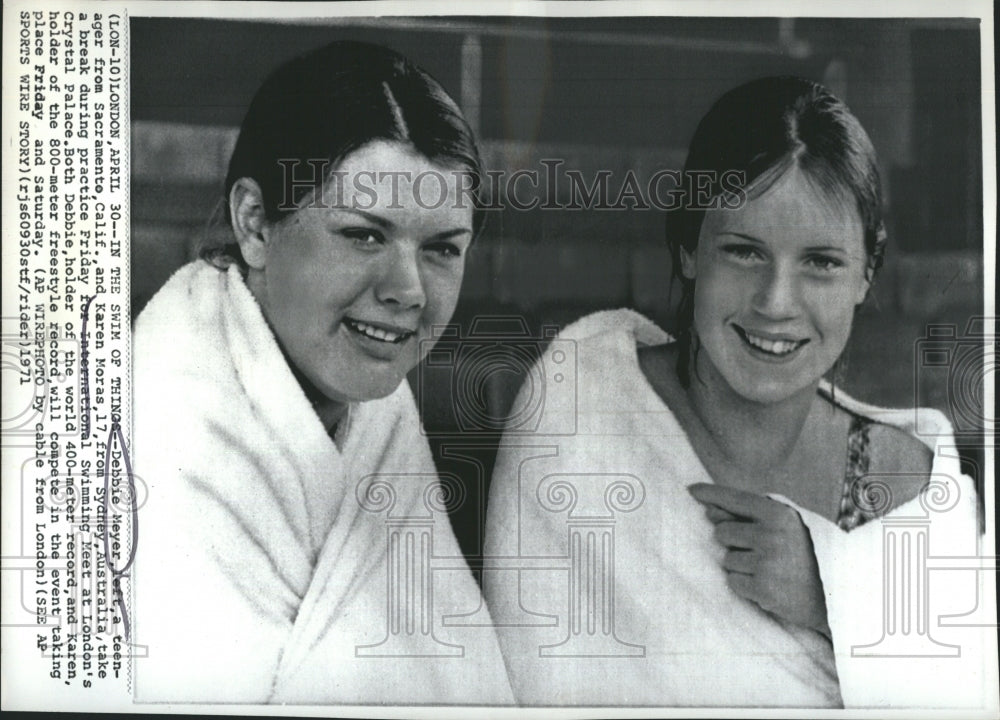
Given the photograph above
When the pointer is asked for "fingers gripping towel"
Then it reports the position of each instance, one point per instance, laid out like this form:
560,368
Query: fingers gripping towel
621,598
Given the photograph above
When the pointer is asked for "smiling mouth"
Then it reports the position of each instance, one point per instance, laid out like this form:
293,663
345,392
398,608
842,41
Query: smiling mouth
774,348
372,332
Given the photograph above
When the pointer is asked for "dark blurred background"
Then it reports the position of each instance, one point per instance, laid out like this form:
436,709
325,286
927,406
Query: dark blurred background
605,94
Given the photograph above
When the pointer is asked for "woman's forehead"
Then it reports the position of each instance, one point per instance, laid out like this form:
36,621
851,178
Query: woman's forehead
795,205
392,178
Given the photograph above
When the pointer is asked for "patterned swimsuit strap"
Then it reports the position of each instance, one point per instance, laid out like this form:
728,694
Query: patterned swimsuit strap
855,506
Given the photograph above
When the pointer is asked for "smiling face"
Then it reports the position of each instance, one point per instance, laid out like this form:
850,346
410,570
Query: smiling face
353,280
777,282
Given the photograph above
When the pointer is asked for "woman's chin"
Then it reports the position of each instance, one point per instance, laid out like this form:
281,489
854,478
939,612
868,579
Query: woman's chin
362,392
766,385
772,390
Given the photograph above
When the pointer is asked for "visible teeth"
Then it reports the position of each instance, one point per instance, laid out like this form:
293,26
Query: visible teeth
377,333
775,347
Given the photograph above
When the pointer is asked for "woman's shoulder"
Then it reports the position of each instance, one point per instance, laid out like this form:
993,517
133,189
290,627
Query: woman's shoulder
180,298
923,424
607,341
893,449
606,323
900,461
589,367
886,441
179,340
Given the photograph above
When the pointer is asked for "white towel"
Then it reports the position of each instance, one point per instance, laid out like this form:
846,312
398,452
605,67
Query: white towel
677,635
259,575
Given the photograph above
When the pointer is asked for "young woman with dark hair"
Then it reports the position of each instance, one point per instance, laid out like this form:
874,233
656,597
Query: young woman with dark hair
274,427
734,560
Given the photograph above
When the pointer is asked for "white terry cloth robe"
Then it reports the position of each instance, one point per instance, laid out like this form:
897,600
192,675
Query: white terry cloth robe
619,598
260,577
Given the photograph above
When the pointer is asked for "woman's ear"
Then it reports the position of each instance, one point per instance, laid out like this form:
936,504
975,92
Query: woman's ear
864,287
689,267
246,208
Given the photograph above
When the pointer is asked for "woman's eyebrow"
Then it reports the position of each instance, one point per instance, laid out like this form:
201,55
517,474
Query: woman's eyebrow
826,249
751,238
370,217
444,235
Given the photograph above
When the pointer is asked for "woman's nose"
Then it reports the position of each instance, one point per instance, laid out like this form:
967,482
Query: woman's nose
778,293
401,282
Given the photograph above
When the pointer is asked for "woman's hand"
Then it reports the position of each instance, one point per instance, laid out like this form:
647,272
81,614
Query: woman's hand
769,554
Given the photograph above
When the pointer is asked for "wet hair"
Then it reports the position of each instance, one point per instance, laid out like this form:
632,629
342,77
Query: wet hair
749,139
318,108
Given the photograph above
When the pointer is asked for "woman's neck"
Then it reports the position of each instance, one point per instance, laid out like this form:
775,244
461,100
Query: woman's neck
753,435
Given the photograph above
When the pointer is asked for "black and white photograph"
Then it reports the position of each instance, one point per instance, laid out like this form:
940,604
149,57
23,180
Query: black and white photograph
563,358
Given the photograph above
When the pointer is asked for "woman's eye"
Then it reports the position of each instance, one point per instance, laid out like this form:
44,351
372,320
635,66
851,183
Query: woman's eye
824,262
363,237
444,249
742,252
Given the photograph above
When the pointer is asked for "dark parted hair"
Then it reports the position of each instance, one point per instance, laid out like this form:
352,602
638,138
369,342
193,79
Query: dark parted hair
757,132
319,107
